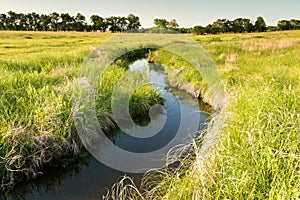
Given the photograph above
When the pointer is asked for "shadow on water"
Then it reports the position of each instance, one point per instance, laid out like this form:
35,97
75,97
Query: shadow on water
90,179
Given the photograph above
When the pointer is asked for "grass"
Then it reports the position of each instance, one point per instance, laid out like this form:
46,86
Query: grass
258,154
38,72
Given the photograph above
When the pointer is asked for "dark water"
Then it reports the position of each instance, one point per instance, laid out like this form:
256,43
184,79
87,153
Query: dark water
91,180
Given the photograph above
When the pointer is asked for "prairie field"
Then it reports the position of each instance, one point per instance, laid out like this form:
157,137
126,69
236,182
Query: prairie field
257,156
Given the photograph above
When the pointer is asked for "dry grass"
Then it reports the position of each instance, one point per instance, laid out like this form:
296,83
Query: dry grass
269,45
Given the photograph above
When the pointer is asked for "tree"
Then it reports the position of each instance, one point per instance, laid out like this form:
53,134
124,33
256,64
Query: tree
185,30
11,20
199,30
133,22
113,23
295,24
67,22
173,24
284,25
248,26
3,22
79,22
161,23
260,25
45,22
122,23
221,26
35,20
54,20
97,22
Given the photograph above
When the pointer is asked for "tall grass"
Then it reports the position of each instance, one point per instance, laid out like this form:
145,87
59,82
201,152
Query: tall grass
36,89
258,154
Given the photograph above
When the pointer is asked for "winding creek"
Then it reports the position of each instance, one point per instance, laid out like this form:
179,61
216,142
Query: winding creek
92,179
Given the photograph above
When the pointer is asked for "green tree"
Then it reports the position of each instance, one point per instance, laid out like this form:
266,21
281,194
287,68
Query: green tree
173,24
45,22
295,24
284,25
11,20
80,22
133,22
3,22
260,24
54,20
67,22
221,26
113,23
35,20
199,30
161,23
122,23
248,26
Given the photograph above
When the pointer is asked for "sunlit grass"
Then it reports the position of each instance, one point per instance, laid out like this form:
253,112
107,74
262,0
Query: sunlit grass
258,154
257,157
38,73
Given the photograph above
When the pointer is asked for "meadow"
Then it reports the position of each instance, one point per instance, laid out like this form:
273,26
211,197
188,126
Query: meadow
38,72
257,156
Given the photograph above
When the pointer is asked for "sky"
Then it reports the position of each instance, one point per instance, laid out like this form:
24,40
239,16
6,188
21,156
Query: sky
188,13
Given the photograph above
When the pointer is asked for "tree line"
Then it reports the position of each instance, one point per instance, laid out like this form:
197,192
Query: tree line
66,22
244,25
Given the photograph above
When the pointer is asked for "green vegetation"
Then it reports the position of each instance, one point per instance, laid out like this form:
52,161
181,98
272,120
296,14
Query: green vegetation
65,22
38,73
258,155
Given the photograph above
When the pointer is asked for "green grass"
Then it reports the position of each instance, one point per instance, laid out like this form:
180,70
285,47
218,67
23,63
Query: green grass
38,76
258,154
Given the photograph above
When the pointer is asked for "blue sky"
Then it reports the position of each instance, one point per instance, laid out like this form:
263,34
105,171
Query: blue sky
187,12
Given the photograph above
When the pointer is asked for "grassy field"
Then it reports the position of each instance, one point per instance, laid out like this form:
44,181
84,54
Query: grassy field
38,72
257,157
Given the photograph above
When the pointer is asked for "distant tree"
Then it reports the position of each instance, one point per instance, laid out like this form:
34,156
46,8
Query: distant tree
133,22
11,20
260,25
79,22
173,24
19,21
161,23
241,25
45,22
295,24
113,23
209,29
122,23
248,26
284,25
199,30
67,22
238,25
185,30
54,20
221,26
3,22
35,21
272,28
95,19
